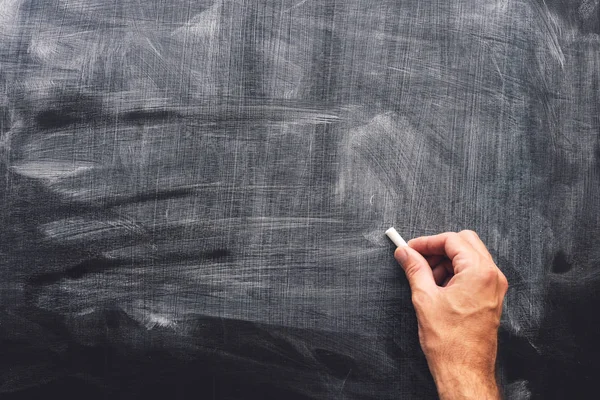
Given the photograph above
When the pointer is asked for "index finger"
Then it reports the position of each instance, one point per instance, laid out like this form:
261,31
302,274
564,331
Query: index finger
473,238
448,244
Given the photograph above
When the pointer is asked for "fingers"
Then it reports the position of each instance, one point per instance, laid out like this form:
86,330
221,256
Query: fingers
417,269
442,270
473,239
447,244
446,282
447,265
434,260
445,254
439,274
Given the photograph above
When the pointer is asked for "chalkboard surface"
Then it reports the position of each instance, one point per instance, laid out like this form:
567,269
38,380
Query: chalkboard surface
194,193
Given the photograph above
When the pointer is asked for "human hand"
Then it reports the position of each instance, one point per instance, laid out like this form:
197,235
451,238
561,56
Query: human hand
457,291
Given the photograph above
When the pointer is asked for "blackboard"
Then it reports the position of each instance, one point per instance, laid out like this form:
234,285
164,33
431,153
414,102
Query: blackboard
194,193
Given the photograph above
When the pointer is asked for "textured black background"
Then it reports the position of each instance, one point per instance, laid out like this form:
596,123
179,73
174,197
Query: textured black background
193,194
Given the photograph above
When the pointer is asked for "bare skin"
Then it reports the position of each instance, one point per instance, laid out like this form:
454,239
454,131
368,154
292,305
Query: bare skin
457,292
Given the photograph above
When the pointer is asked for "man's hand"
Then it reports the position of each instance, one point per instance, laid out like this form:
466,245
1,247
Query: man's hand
457,291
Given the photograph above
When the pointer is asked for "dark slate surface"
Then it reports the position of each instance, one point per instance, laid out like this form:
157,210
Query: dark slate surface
193,193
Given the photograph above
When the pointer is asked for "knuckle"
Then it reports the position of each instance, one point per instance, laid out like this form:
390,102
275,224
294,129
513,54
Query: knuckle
489,275
468,232
419,298
411,268
454,238
503,281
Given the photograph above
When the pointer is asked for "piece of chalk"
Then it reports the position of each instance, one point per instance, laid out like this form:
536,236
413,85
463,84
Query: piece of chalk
395,237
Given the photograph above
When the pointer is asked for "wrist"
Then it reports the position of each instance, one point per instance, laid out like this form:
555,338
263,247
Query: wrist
465,383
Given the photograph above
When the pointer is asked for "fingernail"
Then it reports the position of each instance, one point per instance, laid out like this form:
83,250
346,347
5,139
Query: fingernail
401,254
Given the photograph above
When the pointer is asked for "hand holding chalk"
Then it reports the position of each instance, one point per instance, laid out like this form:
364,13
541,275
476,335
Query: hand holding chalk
457,291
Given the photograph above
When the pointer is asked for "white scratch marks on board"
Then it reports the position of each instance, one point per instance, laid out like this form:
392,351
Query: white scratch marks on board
154,320
52,170
551,30
78,229
344,381
296,5
9,11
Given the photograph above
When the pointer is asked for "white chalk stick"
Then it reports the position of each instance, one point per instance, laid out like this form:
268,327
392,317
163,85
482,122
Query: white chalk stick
395,237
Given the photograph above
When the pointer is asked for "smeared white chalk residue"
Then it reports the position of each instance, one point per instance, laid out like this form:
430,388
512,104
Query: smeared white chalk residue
295,5
203,25
42,49
551,29
287,222
9,9
375,237
298,114
76,229
587,8
151,316
154,320
517,390
52,170
86,311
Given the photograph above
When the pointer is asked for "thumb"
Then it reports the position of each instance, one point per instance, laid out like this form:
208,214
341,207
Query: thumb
417,269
